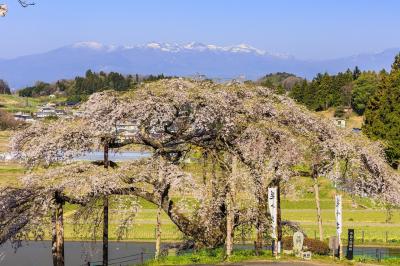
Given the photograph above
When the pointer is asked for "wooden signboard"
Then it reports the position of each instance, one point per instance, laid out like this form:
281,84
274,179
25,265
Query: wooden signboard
350,244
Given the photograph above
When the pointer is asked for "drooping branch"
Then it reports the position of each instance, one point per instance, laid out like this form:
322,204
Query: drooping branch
26,3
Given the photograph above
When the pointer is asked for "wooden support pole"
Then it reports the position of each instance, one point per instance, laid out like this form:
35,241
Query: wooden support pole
59,231
105,212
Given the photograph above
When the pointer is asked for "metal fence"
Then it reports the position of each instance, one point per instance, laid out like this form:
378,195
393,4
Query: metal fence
377,254
138,258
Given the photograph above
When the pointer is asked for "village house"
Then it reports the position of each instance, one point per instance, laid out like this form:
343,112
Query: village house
23,117
46,111
49,110
340,122
60,113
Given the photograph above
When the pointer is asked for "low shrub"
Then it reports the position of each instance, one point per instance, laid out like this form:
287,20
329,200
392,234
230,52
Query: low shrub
313,245
287,242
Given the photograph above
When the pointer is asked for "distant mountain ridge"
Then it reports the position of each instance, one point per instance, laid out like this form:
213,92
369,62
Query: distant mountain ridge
173,59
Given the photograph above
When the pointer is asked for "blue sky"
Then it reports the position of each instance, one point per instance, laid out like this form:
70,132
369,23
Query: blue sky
307,29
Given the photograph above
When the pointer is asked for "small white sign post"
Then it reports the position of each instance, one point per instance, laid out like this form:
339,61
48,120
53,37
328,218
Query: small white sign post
338,215
272,205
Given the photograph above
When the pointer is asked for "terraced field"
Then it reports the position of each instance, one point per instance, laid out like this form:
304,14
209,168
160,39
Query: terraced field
14,103
8,171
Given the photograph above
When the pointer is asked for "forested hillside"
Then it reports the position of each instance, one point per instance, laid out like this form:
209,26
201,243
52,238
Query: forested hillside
80,88
374,95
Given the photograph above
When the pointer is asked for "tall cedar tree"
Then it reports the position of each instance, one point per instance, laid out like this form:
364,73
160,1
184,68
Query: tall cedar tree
382,116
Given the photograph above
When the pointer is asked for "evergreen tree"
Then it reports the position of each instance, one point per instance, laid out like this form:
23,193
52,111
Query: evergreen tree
382,116
324,91
396,63
356,73
363,88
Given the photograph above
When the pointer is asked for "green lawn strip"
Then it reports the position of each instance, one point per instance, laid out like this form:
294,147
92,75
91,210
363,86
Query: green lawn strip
328,215
212,256
217,257
135,232
372,234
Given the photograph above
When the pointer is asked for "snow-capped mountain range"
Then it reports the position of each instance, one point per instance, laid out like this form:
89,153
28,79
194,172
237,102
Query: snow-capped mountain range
173,48
174,59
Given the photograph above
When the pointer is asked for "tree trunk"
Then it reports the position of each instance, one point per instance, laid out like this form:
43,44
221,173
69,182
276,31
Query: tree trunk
158,233
214,177
54,235
60,232
259,236
205,168
205,237
230,209
317,202
229,227
105,231
105,213
106,161
260,228
261,199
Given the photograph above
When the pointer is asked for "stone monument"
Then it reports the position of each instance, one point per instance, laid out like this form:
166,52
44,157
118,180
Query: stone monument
298,240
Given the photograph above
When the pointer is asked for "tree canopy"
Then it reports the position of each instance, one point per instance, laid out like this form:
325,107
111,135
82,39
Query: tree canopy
363,88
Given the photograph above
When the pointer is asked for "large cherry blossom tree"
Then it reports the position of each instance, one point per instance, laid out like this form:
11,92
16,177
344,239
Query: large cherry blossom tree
251,138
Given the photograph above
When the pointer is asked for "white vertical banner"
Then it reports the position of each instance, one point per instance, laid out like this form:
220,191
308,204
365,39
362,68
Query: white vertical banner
272,205
338,214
